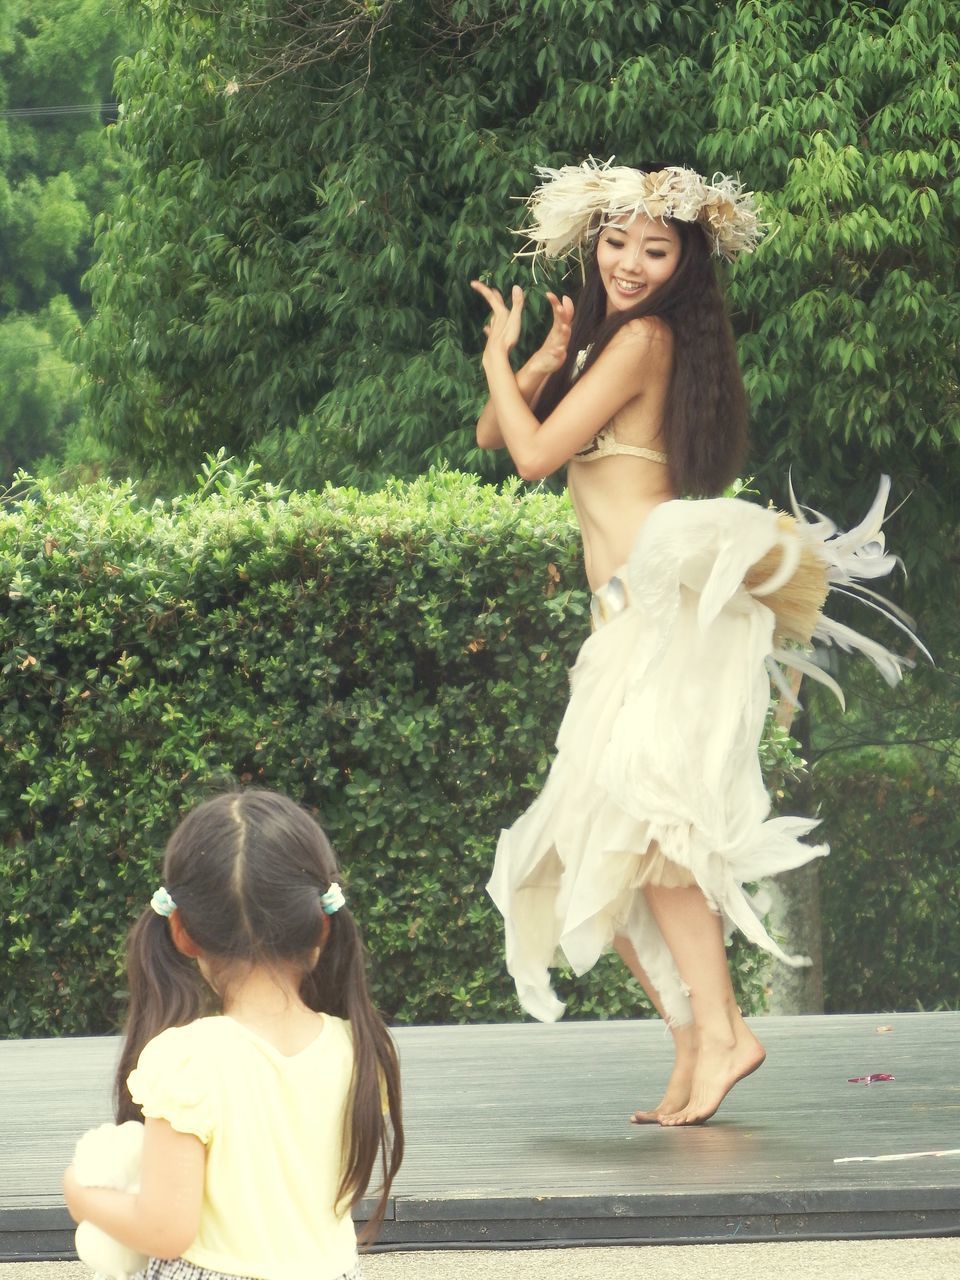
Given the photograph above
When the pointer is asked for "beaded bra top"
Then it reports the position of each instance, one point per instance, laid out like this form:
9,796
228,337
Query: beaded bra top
605,443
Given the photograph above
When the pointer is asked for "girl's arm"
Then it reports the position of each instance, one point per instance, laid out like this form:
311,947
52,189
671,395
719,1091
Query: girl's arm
532,377
162,1218
638,355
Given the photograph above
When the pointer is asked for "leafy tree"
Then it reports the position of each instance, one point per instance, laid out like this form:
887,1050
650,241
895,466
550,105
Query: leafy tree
42,224
56,61
55,70
299,288
322,181
850,330
39,384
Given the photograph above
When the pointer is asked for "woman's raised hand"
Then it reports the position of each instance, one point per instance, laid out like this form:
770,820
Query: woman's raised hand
552,354
503,327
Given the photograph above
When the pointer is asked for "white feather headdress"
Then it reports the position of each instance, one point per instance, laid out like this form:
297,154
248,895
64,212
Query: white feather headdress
572,203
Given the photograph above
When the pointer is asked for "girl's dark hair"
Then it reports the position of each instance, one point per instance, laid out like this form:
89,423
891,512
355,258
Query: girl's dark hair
246,871
705,416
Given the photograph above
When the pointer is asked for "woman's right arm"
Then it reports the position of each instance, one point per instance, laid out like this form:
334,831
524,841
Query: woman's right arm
532,377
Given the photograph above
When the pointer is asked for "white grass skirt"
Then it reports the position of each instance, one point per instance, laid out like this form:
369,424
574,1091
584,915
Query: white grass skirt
657,776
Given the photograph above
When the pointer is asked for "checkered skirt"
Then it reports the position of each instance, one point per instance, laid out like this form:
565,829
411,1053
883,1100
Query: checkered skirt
181,1269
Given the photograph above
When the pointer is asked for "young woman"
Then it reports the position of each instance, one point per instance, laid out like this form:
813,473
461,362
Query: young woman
654,813
264,1123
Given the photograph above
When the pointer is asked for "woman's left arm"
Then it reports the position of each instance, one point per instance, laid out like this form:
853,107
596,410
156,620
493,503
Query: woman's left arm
535,374
162,1218
621,373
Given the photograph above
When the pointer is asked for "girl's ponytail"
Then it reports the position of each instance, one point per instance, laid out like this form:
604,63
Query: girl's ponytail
163,993
338,985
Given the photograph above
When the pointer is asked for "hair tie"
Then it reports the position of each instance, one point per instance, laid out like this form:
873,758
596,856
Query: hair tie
333,899
162,903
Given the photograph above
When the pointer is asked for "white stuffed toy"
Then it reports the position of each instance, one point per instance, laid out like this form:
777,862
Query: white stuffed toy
109,1156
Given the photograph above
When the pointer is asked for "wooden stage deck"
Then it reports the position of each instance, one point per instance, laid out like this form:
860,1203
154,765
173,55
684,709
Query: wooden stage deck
519,1133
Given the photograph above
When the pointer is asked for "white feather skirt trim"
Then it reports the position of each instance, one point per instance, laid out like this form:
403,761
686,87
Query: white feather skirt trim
657,754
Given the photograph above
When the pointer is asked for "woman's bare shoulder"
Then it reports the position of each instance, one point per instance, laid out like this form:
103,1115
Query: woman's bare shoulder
647,335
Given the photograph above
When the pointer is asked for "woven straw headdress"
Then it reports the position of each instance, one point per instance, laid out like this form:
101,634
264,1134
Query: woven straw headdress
572,203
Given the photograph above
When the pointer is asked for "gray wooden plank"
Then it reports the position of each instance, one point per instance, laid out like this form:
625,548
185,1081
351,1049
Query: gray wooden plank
507,1122
543,1109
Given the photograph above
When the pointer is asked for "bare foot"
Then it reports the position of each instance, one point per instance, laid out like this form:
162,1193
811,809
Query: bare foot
677,1093
720,1065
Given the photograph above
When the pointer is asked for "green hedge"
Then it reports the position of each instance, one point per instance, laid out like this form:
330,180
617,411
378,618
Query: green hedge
397,660
890,888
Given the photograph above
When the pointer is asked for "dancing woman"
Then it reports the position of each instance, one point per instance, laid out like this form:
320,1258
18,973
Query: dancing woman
654,813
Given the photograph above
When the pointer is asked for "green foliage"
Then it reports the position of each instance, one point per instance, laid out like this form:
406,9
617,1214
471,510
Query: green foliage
41,227
55,68
887,776
300,288
39,385
849,317
299,292
894,831
54,169
398,661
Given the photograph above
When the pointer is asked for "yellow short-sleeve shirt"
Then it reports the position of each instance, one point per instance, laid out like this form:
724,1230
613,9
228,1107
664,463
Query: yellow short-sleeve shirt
273,1128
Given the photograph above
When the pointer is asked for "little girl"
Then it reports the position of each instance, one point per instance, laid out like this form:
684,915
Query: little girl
262,1123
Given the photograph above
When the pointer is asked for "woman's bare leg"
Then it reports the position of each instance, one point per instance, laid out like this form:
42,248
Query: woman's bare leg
677,1093
727,1050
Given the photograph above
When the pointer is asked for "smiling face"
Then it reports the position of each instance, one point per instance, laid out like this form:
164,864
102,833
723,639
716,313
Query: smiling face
636,258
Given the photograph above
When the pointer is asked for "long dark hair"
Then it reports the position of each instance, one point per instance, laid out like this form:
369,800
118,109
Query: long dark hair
705,416
246,870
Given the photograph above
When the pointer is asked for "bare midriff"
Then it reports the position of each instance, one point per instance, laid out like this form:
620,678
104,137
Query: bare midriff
612,496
